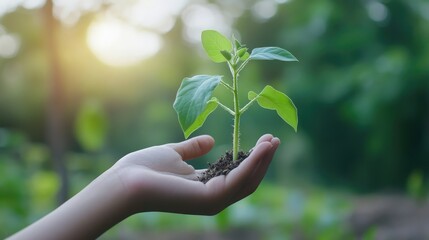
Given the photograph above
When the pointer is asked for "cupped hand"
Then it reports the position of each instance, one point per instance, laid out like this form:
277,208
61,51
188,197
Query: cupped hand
159,179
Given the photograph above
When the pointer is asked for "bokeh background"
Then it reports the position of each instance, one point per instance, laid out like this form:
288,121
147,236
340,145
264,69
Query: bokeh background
84,82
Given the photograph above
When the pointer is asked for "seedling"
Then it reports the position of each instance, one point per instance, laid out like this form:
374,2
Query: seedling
194,101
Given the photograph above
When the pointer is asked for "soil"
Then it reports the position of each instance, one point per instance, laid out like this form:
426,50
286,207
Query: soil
222,166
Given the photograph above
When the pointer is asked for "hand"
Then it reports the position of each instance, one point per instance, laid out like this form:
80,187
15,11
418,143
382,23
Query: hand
153,179
159,179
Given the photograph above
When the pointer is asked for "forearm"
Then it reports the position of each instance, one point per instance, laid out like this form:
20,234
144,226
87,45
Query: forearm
153,179
91,212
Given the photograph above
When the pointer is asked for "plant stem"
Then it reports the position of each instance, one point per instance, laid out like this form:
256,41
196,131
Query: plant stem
226,85
226,108
247,105
237,113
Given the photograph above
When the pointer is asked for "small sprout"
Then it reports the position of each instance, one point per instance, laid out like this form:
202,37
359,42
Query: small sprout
194,103
241,52
226,54
237,44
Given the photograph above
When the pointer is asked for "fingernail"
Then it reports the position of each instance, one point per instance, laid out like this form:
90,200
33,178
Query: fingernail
275,139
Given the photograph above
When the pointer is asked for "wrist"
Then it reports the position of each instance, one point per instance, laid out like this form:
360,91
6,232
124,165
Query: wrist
103,204
129,185
115,183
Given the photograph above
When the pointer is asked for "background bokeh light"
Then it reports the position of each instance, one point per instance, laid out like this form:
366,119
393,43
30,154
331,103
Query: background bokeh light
116,43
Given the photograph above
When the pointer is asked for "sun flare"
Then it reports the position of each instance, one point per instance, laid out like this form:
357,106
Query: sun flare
117,43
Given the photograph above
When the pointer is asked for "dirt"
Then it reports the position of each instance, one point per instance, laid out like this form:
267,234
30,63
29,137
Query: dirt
222,166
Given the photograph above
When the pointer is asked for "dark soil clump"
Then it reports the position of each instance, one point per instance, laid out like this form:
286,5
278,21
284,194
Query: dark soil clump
222,166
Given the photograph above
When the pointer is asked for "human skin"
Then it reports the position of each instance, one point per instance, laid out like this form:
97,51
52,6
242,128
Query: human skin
153,179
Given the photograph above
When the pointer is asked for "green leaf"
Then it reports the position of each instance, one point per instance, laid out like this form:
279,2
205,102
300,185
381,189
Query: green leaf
213,43
245,56
272,99
241,52
210,107
272,53
237,44
192,101
226,54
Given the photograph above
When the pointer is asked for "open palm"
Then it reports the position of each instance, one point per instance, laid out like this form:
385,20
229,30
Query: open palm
159,179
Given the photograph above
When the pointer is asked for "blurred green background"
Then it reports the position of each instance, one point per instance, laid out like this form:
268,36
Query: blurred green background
82,83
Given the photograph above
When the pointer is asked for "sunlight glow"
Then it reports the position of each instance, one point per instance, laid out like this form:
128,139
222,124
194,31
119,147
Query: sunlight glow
158,16
33,4
9,44
117,43
7,6
264,9
69,12
198,17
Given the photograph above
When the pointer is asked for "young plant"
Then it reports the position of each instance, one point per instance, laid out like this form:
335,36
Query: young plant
194,103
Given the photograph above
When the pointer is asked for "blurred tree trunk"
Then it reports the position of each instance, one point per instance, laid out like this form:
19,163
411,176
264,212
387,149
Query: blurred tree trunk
55,112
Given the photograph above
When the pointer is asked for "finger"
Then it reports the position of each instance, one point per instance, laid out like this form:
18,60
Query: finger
193,147
264,164
242,181
264,138
238,177
259,172
274,142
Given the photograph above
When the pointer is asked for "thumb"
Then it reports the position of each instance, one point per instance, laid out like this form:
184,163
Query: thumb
193,147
